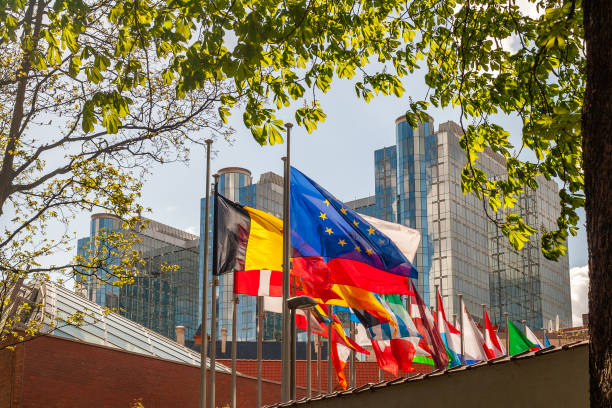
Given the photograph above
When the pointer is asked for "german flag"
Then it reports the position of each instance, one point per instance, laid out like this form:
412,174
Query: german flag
249,244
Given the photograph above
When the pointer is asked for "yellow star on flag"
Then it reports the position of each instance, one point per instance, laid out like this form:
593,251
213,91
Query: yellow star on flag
323,216
329,230
369,251
343,210
356,223
342,243
357,248
371,231
326,202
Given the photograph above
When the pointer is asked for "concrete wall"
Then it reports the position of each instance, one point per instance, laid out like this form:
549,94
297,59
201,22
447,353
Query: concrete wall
554,379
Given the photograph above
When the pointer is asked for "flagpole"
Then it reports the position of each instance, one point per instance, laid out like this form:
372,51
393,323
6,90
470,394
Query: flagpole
437,309
352,367
234,347
507,334
484,320
293,357
460,296
203,328
286,341
259,346
308,357
319,371
213,317
329,345
525,327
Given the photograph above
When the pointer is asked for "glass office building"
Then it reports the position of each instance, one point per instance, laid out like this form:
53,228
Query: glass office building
159,299
418,184
236,184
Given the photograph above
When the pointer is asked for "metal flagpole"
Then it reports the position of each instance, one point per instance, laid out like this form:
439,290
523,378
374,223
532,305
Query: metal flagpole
234,347
352,366
525,327
286,341
484,322
293,357
460,296
308,357
438,324
203,328
293,344
319,371
329,347
213,317
260,317
507,334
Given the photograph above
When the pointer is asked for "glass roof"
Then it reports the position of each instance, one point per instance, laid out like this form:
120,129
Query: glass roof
110,330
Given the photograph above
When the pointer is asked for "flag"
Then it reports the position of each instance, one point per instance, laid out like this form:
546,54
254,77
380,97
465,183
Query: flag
403,343
493,346
393,342
249,244
406,239
473,342
275,305
518,341
332,244
357,298
546,342
340,355
384,356
450,336
533,338
431,343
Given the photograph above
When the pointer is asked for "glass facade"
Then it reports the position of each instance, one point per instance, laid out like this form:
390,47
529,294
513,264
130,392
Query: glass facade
418,184
267,195
158,298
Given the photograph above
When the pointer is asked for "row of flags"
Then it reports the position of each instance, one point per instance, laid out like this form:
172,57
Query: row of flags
347,261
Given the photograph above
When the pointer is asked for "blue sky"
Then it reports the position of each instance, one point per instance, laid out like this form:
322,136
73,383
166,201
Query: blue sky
339,155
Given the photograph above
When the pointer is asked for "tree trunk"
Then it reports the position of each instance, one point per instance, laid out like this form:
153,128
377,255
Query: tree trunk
597,165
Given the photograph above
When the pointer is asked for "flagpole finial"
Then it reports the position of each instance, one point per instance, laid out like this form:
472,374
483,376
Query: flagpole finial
208,141
288,125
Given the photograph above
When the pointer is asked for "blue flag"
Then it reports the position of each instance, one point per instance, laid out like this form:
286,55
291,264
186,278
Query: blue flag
332,243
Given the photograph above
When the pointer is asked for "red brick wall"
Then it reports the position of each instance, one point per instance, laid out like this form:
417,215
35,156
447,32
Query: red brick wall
56,372
366,372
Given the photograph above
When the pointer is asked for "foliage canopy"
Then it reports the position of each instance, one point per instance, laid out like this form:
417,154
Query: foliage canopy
127,82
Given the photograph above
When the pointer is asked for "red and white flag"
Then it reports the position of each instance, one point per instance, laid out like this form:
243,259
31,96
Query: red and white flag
259,283
493,346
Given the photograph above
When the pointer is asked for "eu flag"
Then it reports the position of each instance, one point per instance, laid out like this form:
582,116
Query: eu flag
333,244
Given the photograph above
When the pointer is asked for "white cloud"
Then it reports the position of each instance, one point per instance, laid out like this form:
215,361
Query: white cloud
579,282
192,229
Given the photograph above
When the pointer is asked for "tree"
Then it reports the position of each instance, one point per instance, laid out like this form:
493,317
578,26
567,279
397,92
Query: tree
597,159
484,56
84,110
94,90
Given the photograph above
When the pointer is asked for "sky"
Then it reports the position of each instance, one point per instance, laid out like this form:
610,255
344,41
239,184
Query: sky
339,155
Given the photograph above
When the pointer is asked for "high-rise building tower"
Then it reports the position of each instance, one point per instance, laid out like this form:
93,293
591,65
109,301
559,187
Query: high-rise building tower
418,184
159,298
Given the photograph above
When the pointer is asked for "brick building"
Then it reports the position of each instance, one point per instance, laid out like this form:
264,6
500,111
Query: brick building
57,372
